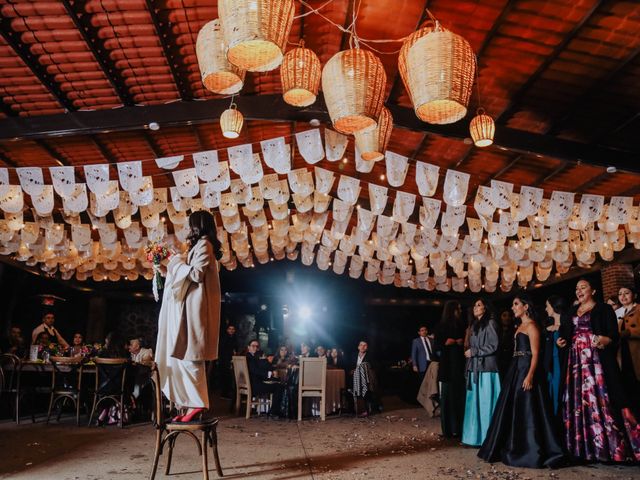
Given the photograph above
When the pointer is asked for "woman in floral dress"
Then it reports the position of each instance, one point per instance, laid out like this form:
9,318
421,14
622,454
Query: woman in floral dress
599,425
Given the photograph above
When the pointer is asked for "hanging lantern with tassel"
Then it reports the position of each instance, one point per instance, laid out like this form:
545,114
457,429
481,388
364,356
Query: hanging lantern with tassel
373,143
437,68
231,122
353,82
300,76
482,129
256,32
218,75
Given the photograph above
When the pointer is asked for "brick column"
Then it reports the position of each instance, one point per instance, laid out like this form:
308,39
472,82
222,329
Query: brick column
614,276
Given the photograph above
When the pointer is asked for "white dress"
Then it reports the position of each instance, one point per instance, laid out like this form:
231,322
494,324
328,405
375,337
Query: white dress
183,382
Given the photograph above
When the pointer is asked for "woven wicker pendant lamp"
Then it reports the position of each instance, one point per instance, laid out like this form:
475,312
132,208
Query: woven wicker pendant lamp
482,129
372,143
300,75
231,122
256,32
218,75
353,83
438,67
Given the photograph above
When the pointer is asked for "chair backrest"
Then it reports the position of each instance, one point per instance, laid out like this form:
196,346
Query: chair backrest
9,366
158,404
107,372
241,372
313,373
70,366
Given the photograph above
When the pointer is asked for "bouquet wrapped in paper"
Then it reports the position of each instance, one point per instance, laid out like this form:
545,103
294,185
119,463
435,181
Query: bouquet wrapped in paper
156,254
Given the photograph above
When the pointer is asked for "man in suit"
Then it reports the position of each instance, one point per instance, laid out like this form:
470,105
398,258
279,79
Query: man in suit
421,352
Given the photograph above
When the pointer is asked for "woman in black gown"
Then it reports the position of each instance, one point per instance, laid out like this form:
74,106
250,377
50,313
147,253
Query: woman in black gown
522,431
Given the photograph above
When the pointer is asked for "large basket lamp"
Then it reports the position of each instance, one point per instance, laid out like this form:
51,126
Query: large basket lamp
373,143
353,83
218,75
300,75
438,70
256,32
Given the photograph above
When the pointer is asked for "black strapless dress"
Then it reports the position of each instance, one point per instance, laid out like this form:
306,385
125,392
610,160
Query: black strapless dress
522,431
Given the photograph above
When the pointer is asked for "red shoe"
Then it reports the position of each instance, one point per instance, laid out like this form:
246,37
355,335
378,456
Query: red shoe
177,418
190,416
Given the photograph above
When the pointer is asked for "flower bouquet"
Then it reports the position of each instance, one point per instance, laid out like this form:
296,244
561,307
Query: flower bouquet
156,253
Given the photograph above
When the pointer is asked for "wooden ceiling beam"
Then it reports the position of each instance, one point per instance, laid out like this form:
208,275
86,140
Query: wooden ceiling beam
545,177
515,100
14,40
582,100
396,87
76,9
348,18
272,107
494,28
167,39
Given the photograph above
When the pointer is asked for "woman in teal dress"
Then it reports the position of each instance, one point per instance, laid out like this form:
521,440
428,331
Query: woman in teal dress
483,381
551,360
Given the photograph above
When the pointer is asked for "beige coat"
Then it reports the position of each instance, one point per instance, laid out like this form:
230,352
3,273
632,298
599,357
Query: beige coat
199,328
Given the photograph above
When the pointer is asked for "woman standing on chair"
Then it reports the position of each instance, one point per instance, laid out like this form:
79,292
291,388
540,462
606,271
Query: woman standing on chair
483,381
190,319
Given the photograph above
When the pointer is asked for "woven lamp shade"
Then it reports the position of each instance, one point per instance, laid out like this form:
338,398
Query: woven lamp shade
300,76
231,122
256,32
372,143
353,83
218,75
438,69
482,129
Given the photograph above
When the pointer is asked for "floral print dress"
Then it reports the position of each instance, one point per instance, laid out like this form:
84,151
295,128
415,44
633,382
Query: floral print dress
593,431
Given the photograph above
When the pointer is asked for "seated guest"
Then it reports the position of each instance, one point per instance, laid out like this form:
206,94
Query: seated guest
14,344
260,371
282,359
321,351
114,346
305,351
48,319
364,378
335,359
139,354
77,345
110,375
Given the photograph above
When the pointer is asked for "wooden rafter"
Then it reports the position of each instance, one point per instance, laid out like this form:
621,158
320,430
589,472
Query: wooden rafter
516,98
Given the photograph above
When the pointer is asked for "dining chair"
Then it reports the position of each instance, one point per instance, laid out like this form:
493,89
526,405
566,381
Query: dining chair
167,433
66,384
313,383
9,384
243,388
111,376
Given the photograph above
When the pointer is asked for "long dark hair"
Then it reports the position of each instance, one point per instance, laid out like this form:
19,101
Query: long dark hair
202,224
526,300
449,317
483,321
558,304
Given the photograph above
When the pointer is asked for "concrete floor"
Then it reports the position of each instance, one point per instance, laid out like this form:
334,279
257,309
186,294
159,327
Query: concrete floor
401,443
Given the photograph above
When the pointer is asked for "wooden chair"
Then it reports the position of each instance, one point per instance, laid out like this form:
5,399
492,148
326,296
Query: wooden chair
10,380
243,387
61,392
167,433
313,383
108,370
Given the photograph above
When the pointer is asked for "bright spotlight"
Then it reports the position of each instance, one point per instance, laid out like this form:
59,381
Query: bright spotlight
305,313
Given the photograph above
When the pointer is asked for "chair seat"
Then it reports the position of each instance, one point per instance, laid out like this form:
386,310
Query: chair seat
192,426
311,393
